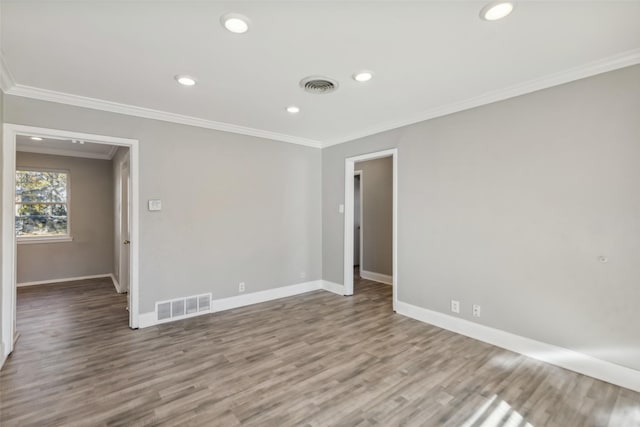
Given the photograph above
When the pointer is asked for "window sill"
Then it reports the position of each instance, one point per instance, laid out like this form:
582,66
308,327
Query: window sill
43,239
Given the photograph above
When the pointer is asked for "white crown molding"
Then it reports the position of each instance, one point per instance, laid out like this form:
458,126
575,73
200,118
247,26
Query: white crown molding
68,153
112,152
148,113
6,79
621,60
549,353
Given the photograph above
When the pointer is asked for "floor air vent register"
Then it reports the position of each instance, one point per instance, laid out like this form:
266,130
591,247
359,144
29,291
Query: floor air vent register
183,307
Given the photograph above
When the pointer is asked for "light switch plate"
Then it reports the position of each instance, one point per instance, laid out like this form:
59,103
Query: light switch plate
341,208
155,205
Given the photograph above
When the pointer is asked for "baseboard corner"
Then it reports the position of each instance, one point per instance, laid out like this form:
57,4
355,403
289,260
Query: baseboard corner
332,287
377,277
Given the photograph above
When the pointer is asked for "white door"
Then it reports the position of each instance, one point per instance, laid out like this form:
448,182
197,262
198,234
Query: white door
125,248
356,220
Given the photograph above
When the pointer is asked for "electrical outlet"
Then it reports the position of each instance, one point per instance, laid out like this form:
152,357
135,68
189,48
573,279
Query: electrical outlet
455,306
241,287
476,310
303,275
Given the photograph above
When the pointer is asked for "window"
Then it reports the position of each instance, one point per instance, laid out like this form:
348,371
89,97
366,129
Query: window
42,205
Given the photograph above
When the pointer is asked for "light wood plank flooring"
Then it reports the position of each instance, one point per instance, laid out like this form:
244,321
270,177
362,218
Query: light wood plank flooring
312,360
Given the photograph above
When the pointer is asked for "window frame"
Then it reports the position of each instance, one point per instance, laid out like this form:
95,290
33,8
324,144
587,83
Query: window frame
58,238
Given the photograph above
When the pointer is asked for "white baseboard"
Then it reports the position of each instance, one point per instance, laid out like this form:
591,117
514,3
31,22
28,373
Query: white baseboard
332,287
149,319
116,284
559,356
65,279
3,357
263,296
376,277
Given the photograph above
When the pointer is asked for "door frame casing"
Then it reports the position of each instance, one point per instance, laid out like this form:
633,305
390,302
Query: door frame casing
9,249
349,171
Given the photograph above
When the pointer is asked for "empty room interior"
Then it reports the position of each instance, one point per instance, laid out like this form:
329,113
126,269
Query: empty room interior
320,213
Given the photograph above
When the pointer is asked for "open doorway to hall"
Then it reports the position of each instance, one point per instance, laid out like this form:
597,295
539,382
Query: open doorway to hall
370,246
48,239
71,219
373,221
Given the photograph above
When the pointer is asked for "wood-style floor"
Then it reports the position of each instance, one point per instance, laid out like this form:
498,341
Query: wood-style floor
317,359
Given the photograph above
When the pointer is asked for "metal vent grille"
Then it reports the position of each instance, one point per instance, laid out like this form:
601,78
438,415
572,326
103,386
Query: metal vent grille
204,303
192,305
180,308
177,308
318,85
164,310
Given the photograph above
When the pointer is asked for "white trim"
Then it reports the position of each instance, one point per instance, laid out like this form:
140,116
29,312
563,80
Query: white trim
559,356
116,284
376,277
349,170
263,296
611,63
44,239
3,357
148,113
146,320
65,279
614,62
10,132
68,153
9,248
332,287
150,319
6,78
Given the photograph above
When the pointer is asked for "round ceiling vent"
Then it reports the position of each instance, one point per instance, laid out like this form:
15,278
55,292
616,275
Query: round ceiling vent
318,85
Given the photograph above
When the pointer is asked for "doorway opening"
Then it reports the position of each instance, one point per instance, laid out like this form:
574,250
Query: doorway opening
352,234
357,221
70,210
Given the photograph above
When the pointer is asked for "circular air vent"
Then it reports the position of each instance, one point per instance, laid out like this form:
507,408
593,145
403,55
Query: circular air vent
318,85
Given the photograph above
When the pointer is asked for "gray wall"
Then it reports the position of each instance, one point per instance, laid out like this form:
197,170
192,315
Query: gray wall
377,215
510,205
235,208
91,196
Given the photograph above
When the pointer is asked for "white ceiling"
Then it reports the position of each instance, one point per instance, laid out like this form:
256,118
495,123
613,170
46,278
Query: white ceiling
65,147
429,58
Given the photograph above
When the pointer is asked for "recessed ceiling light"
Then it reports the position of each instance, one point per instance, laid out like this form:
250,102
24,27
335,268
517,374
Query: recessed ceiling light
363,76
292,109
496,10
36,138
186,80
235,23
